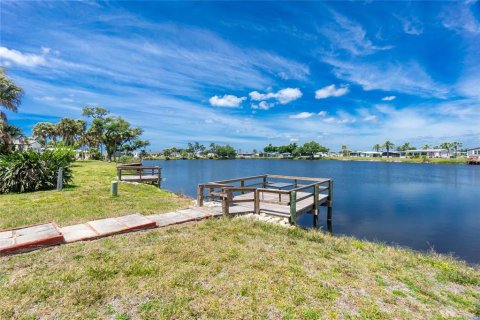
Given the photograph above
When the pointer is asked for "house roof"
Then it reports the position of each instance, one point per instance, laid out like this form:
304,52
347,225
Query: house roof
473,149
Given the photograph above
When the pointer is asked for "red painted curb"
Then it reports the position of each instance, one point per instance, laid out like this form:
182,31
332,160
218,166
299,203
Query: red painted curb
32,245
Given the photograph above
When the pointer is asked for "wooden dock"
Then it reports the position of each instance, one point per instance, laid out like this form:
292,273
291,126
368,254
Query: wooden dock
473,160
139,173
284,196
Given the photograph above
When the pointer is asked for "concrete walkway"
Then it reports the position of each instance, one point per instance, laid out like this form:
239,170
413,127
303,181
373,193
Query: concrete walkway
43,235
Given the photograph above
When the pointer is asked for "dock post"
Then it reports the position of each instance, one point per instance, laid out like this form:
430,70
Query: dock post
200,195
114,188
329,214
60,179
159,177
226,202
256,204
293,207
330,201
211,197
330,192
315,200
242,184
264,183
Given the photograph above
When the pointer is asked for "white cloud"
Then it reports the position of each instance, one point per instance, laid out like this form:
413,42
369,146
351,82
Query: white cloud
293,140
411,25
322,113
263,105
331,91
408,77
370,118
302,115
227,101
24,59
461,18
283,96
348,35
389,98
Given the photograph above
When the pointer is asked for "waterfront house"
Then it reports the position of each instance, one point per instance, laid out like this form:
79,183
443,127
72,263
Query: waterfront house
285,155
245,155
474,152
393,154
429,153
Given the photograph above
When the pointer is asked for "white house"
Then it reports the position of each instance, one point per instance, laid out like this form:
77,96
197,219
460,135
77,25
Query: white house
429,153
245,155
27,144
474,152
285,155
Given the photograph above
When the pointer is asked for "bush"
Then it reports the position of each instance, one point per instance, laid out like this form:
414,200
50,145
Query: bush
31,171
95,154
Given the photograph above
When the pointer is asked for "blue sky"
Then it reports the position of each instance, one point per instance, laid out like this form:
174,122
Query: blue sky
252,73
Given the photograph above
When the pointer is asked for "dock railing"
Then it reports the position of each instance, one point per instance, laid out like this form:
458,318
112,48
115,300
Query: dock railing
139,173
300,188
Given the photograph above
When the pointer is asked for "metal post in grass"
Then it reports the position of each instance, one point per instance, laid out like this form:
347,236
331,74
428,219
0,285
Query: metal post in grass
114,188
60,179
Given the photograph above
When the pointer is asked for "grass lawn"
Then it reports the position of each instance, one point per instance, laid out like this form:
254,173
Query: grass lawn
235,269
230,268
86,199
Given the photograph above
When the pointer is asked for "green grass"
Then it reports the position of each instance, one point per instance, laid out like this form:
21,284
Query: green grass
86,199
219,268
235,268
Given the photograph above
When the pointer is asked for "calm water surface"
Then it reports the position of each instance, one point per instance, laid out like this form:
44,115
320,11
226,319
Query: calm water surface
421,206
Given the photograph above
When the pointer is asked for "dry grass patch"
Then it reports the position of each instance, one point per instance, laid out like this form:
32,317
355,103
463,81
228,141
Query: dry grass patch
235,269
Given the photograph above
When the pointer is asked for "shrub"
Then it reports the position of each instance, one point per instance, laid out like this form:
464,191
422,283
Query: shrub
95,154
31,171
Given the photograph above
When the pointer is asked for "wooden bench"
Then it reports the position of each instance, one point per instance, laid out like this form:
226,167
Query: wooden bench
139,173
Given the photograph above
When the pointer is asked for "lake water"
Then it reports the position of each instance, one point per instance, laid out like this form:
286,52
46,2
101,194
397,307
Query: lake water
421,206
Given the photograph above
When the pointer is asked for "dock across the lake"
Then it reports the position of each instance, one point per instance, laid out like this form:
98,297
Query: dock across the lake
139,173
284,196
473,160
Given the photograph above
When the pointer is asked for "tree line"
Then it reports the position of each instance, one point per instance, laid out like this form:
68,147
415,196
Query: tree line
197,150
307,149
112,132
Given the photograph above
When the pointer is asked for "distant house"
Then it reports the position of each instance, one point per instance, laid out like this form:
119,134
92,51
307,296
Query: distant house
272,154
365,154
474,152
393,154
429,153
27,144
285,155
245,155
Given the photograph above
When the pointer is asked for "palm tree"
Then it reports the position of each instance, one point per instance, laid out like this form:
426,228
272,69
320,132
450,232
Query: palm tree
8,132
345,150
425,147
70,130
10,95
455,146
448,146
44,131
388,145
377,147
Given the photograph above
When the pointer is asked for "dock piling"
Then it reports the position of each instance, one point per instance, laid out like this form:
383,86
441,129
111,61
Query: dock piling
293,207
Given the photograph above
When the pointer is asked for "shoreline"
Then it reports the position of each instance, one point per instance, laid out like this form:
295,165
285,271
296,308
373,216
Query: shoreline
450,161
